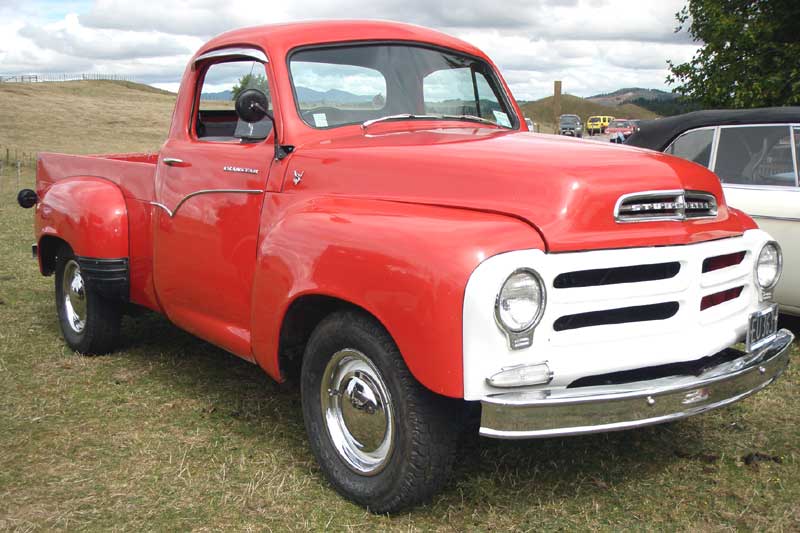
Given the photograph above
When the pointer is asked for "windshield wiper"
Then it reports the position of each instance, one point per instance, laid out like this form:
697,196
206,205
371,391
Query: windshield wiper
403,116
471,118
411,116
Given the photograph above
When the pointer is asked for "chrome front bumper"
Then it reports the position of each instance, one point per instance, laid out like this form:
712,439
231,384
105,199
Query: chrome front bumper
561,412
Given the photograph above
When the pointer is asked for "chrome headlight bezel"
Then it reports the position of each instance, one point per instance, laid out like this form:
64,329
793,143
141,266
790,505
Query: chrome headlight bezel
766,290
519,338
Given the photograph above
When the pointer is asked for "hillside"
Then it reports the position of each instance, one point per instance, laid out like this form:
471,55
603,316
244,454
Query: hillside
542,110
632,94
84,117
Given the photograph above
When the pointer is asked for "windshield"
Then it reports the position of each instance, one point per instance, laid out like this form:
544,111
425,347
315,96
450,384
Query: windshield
594,119
355,84
620,124
569,120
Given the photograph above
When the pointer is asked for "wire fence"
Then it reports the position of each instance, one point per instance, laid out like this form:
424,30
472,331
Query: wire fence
15,166
41,78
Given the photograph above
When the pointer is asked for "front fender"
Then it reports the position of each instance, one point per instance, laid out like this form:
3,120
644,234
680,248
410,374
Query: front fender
88,213
406,264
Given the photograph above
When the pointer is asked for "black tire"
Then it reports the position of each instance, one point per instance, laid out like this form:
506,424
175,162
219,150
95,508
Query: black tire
98,331
425,428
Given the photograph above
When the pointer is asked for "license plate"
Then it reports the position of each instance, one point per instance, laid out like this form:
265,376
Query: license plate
762,327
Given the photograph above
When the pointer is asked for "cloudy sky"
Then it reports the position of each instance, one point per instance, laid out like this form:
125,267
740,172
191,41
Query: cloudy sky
594,46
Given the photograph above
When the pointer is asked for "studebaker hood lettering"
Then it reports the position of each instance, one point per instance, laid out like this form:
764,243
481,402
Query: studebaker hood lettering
567,189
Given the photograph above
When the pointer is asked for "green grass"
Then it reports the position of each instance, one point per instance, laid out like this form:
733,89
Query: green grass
172,433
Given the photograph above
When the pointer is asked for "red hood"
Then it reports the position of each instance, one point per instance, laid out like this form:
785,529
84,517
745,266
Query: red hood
566,188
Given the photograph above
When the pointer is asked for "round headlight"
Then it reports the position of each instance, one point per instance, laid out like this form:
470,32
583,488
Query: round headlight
520,303
769,265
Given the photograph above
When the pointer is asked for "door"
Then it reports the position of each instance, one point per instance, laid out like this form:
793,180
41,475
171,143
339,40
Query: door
758,167
209,191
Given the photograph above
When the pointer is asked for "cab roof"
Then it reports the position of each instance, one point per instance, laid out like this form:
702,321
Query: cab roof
281,38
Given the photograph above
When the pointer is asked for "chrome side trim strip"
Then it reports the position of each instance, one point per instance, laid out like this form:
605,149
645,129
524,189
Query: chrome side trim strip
251,53
768,217
746,186
172,212
561,412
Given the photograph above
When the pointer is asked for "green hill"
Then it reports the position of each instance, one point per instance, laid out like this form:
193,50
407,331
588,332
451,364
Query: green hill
542,110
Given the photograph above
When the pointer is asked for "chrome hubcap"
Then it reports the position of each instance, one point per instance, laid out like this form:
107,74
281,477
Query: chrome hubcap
357,411
74,295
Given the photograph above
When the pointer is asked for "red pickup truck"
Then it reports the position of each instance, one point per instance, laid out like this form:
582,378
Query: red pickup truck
360,204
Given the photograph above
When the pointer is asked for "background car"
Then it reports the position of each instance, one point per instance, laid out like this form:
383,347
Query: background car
621,126
598,124
756,154
570,125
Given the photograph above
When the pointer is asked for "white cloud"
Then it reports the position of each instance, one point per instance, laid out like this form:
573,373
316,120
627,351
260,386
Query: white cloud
70,38
593,46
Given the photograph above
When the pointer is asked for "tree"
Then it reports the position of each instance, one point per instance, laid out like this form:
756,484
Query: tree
750,54
250,81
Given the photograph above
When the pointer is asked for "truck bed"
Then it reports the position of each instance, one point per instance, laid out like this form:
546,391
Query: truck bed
134,174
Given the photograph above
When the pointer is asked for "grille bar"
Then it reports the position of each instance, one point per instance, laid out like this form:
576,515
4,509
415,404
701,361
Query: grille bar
617,275
622,315
719,262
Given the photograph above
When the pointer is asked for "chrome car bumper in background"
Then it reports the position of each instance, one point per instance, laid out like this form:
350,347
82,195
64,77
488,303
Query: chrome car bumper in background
595,409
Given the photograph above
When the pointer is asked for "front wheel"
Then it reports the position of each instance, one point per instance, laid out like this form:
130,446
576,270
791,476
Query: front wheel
89,322
381,438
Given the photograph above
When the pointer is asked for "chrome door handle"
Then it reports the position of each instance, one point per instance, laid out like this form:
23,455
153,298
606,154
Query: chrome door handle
171,161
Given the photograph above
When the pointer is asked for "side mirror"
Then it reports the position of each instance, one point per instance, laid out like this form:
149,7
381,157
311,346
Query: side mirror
27,198
251,106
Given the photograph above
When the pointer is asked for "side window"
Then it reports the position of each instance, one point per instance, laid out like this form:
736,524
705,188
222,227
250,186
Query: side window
216,119
452,92
694,146
755,155
797,154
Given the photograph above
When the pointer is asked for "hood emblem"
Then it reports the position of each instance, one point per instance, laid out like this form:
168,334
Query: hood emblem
652,206
298,176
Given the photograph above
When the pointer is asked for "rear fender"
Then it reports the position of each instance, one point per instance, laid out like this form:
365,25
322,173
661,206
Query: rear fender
407,265
88,214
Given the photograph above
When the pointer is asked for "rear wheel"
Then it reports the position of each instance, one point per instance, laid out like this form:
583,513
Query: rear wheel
90,323
381,438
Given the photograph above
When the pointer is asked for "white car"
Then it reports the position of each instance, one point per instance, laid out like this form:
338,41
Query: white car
756,154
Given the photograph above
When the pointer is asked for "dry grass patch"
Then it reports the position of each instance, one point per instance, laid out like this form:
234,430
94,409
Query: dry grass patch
84,117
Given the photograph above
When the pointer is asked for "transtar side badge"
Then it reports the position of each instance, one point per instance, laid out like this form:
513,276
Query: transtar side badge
243,170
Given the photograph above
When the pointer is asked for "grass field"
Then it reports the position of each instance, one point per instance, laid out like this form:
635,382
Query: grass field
170,433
